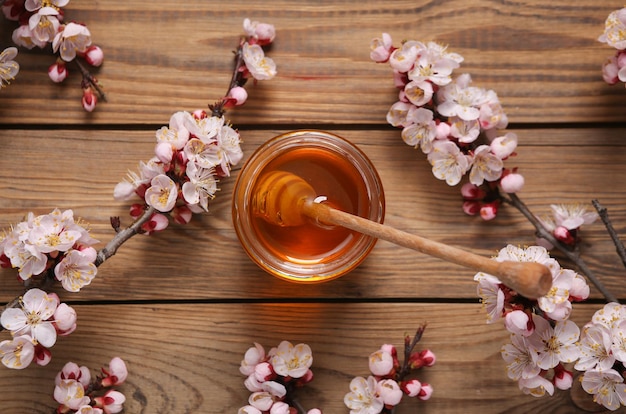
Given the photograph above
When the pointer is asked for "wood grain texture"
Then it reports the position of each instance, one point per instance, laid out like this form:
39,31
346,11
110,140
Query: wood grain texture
182,306
542,58
42,170
189,364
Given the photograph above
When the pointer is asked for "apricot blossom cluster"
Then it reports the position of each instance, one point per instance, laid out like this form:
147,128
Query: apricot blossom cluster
388,383
41,23
273,376
456,125
78,393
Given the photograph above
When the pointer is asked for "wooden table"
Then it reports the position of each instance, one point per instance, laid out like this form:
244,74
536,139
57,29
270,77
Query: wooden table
182,306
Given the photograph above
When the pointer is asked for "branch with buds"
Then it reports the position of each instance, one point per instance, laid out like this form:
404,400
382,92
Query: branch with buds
41,23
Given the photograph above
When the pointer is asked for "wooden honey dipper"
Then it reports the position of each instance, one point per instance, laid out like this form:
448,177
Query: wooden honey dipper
284,199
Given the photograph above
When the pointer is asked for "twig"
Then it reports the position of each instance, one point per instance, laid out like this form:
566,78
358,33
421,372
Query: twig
543,233
604,215
122,236
217,109
90,80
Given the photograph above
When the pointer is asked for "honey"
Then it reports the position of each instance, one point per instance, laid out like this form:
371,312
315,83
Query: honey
336,182
340,175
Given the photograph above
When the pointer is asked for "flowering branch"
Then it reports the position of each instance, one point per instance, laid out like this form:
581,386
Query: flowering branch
457,127
41,24
190,155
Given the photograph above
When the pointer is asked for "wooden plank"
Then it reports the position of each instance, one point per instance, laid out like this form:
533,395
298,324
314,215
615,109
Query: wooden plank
41,170
541,58
185,358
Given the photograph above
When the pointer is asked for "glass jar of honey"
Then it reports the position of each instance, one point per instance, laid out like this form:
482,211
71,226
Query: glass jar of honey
341,175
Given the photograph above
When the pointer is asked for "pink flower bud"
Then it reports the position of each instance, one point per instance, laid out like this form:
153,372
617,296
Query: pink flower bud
57,72
426,392
512,183
380,48
71,371
181,214
579,289
621,59
314,411
411,387
157,222
112,402
443,130
248,409
470,191
42,355
380,363
563,234
518,322
504,146
280,407
489,211
264,371
115,374
199,114
89,100
389,392
89,253
562,378
65,319
94,56
471,208
610,71
164,152
238,94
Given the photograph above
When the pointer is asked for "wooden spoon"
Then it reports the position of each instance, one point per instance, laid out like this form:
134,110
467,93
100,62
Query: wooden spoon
284,199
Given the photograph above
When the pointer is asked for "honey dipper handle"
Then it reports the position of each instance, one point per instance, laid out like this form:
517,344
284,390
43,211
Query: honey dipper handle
530,279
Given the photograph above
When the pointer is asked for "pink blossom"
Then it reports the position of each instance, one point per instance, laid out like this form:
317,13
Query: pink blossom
491,296
22,36
434,64
554,345
57,72
610,70
71,394
291,360
465,131
32,318
252,383
280,408
162,193
485,166
422,129
607,387
381,363
460,100
44,24
397,114
261,400
71,371
504,146
275,388
572,216
157,222
8,66
261,33
252,358
75,270
512,183
519,358
260,66
18,352
536,386
363,397
116,373
389,391
88,409
94,55
615,30
403,58
448,162
380,48
419,93
112,402
177,133
264,371
65,319
74,38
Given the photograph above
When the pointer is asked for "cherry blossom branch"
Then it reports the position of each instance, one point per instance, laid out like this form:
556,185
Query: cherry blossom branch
89,81
573,255
604,216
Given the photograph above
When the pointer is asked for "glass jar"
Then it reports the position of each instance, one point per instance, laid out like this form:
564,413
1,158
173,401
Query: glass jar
341,175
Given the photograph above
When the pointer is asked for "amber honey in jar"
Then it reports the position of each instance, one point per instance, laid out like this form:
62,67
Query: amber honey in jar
341,175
